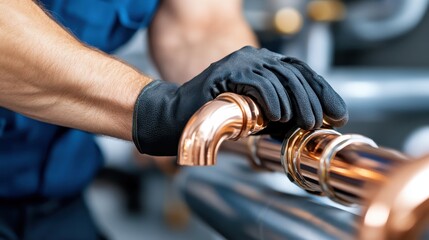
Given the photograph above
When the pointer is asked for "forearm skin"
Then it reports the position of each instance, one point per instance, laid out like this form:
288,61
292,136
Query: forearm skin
48,75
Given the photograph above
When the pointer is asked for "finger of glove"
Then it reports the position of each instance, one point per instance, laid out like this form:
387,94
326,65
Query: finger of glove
301,105
259,89
333,105
285,105
314,100
336,112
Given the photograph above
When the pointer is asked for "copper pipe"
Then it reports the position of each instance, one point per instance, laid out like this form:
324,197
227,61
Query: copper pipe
400,207
321,161
229,116
350,169
355,162
389,186
338,166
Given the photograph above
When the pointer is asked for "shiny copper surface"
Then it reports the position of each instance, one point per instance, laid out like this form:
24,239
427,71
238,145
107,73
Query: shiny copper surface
400,207
304,146
338,166
229,116
355,162
350,168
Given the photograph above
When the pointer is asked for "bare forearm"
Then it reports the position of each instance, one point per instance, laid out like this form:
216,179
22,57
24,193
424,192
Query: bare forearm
83,89
48,75
186,37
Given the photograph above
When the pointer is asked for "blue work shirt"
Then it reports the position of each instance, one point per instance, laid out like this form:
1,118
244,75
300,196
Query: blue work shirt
43,160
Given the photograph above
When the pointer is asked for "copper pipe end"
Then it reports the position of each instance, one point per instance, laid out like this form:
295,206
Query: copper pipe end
399,208
229,116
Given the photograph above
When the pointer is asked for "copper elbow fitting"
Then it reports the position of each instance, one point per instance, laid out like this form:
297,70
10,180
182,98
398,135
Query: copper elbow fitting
229,116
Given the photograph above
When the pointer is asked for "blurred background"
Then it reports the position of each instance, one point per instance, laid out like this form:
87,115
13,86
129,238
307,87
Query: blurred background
373,52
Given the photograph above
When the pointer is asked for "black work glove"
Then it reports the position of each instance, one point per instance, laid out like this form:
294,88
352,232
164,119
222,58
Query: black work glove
287,90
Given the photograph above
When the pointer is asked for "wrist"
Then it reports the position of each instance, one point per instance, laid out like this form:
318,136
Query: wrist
155,129
114,90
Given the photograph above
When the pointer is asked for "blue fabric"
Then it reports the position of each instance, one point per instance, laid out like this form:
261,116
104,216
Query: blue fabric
39,159
105,24
53,219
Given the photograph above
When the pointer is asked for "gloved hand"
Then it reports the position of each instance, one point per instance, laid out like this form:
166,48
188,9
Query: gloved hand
287,90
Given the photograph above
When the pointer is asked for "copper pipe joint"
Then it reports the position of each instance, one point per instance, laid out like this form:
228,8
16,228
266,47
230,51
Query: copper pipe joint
229,116
321,161
310,158
341,167
324,162
350,169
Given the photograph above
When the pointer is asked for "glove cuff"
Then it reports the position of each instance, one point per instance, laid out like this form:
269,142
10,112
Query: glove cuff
151,117
136,112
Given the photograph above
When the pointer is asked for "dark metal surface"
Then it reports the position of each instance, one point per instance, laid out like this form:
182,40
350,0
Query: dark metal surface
232,200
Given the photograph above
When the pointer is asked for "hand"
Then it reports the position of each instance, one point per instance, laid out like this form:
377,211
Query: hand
287,90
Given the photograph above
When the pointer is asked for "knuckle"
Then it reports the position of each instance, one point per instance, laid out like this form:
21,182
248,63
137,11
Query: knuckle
248,48
242,53
270,54
292,60
245,50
